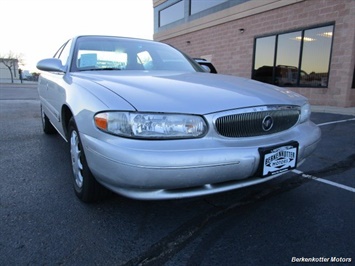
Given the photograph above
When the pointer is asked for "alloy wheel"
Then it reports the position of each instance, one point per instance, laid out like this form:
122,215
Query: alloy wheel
75,152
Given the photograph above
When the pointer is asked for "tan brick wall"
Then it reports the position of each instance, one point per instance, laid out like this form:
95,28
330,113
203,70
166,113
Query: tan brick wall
232,51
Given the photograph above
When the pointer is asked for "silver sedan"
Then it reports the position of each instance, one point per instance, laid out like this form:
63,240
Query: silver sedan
146,121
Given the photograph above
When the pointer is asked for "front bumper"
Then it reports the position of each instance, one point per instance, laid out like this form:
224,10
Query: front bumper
144,169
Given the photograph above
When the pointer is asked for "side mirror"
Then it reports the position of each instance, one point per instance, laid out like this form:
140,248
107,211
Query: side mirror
51,64
206,68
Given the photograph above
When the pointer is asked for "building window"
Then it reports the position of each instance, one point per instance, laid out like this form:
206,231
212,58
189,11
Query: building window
171,14
299,58
200,5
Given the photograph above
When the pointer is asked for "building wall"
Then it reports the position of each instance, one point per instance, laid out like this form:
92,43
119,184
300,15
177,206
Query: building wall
231,50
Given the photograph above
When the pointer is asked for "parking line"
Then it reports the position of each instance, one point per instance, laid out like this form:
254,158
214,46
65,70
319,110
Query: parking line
324,181
335,122
321,179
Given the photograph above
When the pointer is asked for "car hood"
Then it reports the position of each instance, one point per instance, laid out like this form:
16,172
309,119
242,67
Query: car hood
198,93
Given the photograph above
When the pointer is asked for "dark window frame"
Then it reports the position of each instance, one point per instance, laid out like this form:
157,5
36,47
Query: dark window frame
302,30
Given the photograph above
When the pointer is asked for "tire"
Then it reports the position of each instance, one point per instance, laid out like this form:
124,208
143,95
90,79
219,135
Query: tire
47,126
86,188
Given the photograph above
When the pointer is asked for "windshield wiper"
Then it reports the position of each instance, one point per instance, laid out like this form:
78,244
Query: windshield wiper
100,68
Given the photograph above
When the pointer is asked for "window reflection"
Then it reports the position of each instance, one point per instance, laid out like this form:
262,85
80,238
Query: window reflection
264,59
316,56
171,14
287,58
290,69
199,5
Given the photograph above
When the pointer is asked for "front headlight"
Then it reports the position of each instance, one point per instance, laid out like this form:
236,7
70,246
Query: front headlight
305,112
151,125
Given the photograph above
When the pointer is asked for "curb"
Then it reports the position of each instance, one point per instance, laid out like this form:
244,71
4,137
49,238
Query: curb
25,84
333,110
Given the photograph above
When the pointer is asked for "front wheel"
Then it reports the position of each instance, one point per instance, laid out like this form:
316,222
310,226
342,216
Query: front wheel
86,187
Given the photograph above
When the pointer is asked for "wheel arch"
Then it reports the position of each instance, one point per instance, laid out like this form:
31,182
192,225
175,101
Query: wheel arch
66,116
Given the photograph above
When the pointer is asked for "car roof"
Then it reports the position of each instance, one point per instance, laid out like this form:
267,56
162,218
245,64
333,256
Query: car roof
111,36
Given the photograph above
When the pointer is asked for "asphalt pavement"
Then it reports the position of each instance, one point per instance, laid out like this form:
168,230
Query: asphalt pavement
306,216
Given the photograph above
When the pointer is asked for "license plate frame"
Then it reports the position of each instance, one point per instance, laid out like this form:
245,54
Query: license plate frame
278,159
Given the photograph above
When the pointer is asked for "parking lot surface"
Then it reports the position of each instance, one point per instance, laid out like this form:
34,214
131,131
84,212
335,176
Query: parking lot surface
305,216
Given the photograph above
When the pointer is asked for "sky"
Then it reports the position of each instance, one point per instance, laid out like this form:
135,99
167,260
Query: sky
37,28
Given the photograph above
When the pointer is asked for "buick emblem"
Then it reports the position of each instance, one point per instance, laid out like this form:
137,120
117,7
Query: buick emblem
267,123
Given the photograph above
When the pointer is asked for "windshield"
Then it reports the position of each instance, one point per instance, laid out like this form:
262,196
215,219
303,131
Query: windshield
111,53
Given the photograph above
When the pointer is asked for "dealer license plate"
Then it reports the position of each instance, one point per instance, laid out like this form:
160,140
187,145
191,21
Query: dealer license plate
278,159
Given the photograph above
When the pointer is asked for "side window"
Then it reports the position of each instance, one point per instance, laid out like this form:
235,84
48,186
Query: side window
56,55
63,52
64,55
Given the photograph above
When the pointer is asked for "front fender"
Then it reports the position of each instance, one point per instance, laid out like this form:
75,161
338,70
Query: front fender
85,98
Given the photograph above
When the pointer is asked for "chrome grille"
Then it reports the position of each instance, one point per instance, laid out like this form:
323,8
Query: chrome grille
251,124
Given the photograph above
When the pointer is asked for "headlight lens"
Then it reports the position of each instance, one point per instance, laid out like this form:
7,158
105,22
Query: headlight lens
305,112
151,125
